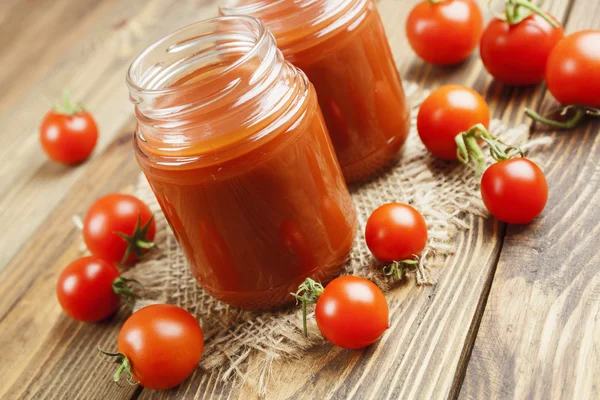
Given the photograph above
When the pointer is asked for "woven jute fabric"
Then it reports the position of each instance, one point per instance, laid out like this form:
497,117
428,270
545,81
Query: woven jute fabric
443,192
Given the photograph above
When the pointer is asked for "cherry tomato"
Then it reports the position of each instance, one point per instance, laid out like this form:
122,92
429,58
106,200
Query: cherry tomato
352,312
68,134
572,72
85,289
446,112
160,346
396,232
445,32
514,190
517,54
119,228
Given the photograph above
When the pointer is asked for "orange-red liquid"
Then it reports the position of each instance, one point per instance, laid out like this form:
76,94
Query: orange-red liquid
348,59
260,207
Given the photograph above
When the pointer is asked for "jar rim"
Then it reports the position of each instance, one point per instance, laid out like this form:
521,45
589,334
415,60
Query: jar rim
318,18
260,37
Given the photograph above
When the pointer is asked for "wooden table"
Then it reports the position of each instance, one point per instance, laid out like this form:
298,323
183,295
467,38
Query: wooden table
516,313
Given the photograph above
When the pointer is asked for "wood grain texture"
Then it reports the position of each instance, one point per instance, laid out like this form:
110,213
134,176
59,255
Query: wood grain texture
44,353
416,357
540,333
433,328
94,68
426,352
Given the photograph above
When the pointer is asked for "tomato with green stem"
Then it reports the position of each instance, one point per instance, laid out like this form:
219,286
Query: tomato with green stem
91,289
119,228
159,346
351,311
68,133
573,78
444,32
514,190
396,233
515,46
446,112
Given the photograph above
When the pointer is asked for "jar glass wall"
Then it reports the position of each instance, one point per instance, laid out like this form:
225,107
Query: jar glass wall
342,47
233,143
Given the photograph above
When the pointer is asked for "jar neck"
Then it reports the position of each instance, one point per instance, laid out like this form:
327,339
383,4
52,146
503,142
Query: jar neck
209,88
298,24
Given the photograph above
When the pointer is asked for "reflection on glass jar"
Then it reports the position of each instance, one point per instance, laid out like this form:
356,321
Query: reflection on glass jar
224,129
342,48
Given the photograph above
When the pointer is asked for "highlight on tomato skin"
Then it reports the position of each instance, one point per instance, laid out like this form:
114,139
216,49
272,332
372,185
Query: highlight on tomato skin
444,32
514,191
572,78
517,54
159,347
119,228
352,312
446,112
68,133
572,70
396,232
85,289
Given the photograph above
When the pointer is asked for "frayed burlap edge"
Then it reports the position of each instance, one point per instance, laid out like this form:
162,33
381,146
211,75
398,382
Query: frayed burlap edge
443,192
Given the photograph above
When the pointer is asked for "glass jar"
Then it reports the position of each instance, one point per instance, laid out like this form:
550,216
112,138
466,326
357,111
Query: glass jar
233,143
342,47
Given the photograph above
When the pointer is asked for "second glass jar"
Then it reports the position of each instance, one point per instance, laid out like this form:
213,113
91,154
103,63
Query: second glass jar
342,47
232,141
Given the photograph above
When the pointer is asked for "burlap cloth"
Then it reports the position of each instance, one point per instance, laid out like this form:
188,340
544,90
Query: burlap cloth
443,192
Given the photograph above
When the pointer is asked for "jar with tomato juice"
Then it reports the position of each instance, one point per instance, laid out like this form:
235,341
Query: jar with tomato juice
233,143
342,47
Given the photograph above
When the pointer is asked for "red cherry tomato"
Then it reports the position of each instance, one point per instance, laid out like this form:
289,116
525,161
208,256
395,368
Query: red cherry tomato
517,54
448,111
446,32
396,232
85,289
352,312
514,190
68,134
573,69
163,345
118,227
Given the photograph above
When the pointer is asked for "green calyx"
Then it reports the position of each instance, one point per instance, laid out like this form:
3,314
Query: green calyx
468,148
121,286
398,269
124,366
308,293
516,11
138,242
578,116
436,1
68,107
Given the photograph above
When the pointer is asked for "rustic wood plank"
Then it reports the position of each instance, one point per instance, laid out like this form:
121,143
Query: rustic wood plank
95,71
540,333
432,328
33,37
417,357
42,349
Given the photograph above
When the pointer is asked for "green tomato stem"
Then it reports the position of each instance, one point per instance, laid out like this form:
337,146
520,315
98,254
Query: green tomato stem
124,366
513,14
67,106
399,268
536,10
308,293
580,113
467,147
122,288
